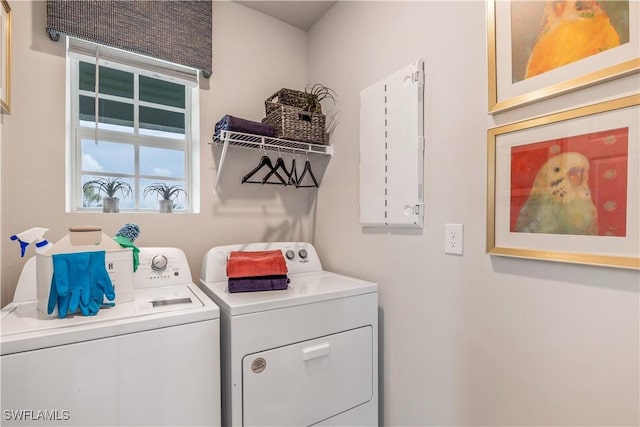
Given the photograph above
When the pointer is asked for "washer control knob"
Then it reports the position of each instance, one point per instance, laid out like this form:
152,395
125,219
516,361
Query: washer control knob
290,254
303,253
159,263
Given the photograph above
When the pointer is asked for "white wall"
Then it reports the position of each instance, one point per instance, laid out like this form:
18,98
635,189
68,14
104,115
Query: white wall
253,57
470,340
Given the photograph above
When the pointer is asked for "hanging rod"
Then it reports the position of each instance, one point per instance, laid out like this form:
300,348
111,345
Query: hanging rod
247,140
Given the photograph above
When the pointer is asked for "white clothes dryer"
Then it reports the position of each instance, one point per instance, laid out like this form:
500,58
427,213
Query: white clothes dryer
152,361
306,355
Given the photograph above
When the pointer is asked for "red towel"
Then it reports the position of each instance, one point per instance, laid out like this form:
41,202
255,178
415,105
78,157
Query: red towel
255,264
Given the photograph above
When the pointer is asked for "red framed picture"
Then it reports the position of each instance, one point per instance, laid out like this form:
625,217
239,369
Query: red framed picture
564,187
571,185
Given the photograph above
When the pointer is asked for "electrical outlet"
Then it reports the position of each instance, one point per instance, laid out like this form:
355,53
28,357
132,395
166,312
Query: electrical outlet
453,239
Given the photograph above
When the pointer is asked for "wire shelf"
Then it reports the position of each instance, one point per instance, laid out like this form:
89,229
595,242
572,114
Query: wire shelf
239,139
247,140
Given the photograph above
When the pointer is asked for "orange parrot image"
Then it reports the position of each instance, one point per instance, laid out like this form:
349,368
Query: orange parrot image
570,30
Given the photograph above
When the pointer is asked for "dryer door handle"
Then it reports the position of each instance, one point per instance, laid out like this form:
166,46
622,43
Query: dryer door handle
315,351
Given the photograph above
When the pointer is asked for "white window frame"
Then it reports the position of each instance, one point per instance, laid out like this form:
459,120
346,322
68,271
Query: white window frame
79,50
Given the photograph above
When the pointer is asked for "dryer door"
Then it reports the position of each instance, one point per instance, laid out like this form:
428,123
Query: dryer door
308,382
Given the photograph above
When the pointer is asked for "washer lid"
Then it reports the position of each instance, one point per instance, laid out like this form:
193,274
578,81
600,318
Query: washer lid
25,328
305,288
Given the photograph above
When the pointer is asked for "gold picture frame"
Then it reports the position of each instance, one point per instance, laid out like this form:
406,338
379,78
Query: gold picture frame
5,57
509,47
564,187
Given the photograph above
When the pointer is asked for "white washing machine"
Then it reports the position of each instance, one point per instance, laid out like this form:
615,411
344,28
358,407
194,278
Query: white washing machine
307,355
152,361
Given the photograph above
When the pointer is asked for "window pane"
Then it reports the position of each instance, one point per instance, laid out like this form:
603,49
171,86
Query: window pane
150,200
162,92
90,197
112,82
112,113
161,162
87,76
107,157
153,120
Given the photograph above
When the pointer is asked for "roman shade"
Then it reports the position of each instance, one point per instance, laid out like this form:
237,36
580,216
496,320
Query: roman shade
171,30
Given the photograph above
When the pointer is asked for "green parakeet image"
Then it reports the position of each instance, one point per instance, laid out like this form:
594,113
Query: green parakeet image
560,199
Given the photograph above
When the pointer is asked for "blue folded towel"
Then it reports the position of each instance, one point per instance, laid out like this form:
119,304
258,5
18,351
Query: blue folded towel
236,124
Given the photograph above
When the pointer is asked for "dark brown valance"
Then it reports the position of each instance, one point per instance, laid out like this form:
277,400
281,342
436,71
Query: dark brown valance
171,30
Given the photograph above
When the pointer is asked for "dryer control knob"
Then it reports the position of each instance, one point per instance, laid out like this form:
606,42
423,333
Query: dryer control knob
159,263
303,253
290,254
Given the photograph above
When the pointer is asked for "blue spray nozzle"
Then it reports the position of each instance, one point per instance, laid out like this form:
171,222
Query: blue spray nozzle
42,243
23,245
32,235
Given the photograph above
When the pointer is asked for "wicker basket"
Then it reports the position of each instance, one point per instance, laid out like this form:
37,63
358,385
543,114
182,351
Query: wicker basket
293,98
296,124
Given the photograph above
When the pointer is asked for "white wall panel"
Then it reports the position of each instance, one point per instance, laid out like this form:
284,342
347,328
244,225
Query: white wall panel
392,150
372,155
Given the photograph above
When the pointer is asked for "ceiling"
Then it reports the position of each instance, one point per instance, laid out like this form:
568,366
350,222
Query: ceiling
302,14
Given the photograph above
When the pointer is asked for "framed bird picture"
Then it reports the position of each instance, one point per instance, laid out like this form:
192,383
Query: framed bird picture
543,48
564,187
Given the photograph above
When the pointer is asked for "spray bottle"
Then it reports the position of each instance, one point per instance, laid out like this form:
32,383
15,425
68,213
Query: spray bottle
32,235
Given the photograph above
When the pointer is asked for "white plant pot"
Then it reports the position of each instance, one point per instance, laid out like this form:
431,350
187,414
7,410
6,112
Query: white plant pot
166,206
110,205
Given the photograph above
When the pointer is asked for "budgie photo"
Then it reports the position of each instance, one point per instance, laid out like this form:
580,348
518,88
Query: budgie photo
560,199
571,30
548,34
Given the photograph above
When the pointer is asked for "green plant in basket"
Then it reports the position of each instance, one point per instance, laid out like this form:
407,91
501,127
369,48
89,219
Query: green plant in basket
315,93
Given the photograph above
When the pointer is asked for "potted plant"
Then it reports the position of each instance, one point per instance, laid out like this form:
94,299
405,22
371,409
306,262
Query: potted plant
314,93
166,193
108,186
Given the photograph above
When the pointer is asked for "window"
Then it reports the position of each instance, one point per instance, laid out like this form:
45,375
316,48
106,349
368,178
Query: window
146,129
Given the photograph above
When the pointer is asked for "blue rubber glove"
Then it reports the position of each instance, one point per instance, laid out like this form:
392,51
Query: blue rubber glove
100,285
59,291
70,283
